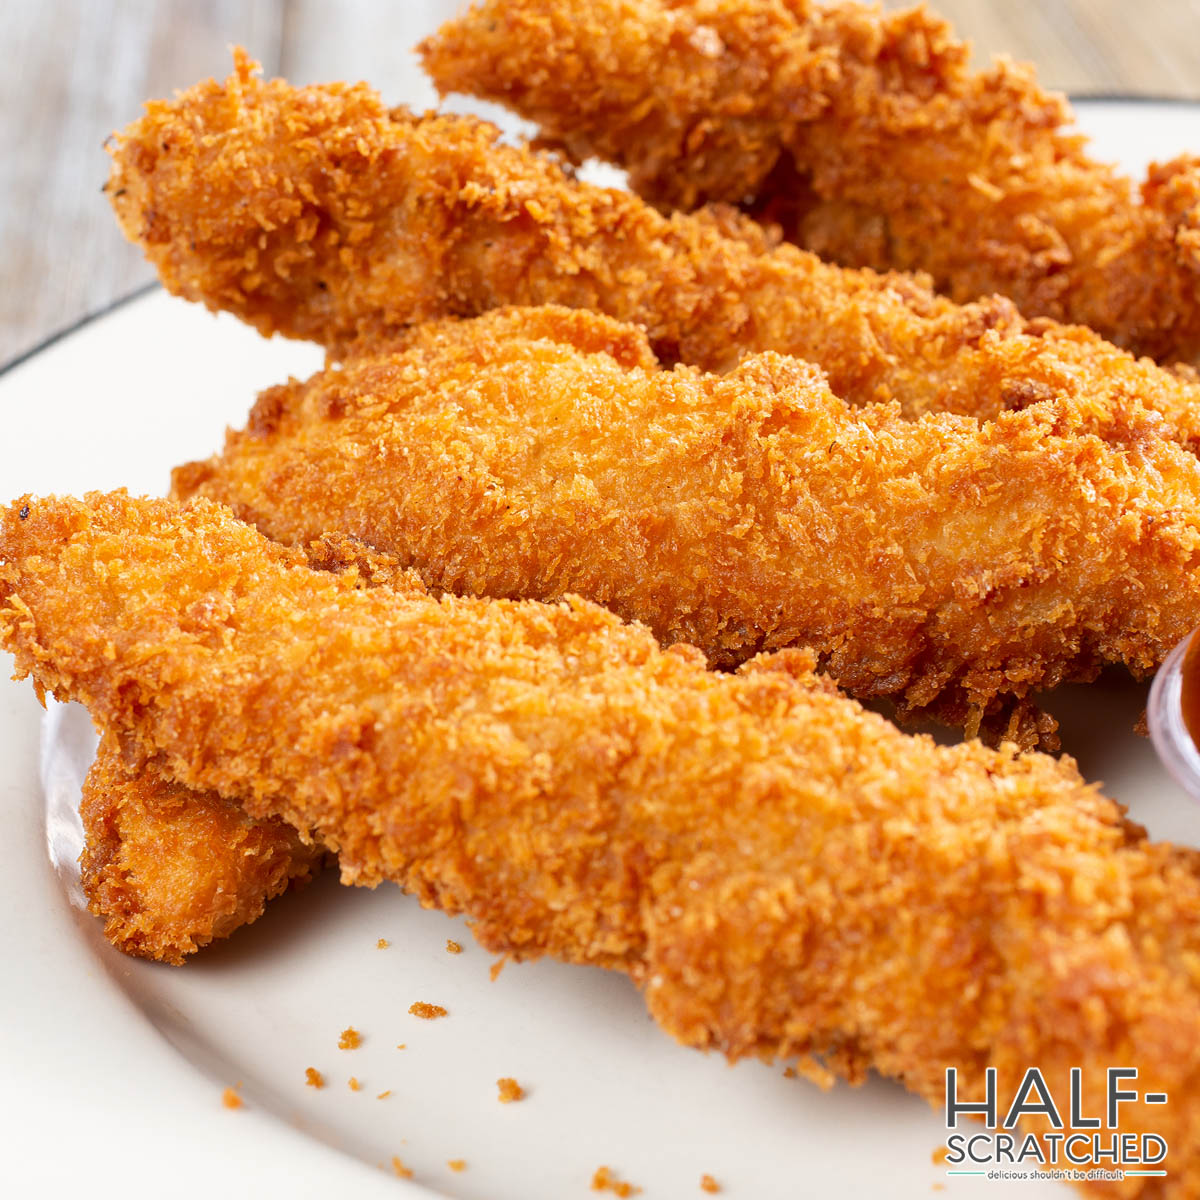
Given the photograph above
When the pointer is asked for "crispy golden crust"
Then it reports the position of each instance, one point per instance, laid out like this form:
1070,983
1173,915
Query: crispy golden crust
781,871
864,133
171,869
317,213
532,453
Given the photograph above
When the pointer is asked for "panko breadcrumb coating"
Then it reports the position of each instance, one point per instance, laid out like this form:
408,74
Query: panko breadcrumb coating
319,213
780,871
864,134
951,567
170,869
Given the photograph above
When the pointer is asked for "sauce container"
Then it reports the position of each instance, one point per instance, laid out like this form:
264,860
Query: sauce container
1173,714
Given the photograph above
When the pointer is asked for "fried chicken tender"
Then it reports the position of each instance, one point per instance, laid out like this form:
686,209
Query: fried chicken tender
170,869
780,871
951,566
318,213
864,134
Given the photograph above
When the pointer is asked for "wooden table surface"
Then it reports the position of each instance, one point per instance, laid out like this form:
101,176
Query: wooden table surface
77,69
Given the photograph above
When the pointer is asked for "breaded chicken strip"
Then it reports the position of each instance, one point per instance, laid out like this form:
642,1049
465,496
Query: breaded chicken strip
318,213
864,134
170,869
780,871
531,453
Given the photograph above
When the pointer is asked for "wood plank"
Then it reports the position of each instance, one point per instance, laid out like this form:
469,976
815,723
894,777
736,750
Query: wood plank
75,70
362,39
1087,47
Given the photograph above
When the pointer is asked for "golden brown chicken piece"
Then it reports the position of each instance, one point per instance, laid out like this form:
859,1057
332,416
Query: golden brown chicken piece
318,213
864,134
170,869
950,566
780,871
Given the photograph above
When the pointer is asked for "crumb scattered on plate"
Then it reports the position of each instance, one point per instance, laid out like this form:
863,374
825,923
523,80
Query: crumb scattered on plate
351,1039
382,944
510,1090
384,1095
427,1012
353,1084
231,1099
709,1184
457,1164
313,1077
605,1181
453,947
401,1170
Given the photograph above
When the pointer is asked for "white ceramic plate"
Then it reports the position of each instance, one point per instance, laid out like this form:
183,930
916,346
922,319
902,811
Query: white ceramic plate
113,1069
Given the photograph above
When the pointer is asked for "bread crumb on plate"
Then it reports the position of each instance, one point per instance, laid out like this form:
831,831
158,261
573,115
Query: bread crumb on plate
427,1012
605,1181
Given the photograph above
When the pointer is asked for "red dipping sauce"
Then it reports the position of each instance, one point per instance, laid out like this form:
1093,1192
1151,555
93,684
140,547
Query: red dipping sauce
1189,688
